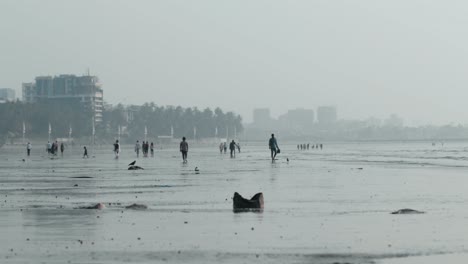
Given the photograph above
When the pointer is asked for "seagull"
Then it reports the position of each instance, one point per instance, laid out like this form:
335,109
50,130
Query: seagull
196,169
132,163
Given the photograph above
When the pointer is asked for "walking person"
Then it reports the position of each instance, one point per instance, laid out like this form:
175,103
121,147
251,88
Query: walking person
28,148
62,148
152,149
184,149
232,148
273,144
56,146
85,154
221,147
49,147
137,148
116,149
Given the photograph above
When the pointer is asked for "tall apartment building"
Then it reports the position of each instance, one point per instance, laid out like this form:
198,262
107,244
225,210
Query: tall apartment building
84,89
7,95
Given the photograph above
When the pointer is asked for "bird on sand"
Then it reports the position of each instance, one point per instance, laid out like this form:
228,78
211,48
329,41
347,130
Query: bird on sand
132,163
196,169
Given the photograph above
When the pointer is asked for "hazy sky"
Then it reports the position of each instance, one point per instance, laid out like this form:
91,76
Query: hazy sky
367,57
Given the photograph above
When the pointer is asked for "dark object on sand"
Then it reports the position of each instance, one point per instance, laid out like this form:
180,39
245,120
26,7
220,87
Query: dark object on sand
137,206
135,167
132,163
407,211
98,206
242,204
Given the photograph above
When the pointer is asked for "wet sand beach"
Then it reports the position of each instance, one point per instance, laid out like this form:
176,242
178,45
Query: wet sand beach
323,206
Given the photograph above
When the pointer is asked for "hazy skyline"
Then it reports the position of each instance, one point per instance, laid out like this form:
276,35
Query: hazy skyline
367,58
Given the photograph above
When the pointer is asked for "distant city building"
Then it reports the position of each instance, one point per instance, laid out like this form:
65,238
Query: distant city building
7,95
300,116
84,89
261,117
326,115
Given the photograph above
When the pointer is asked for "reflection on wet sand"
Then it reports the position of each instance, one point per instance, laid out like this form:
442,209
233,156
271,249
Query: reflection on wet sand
319,209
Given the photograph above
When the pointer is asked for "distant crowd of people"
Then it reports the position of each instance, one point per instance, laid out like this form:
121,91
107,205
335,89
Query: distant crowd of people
51,148
146,148
223,146
308,145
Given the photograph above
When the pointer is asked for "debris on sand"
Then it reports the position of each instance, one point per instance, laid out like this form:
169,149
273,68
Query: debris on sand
242,204
407,211
137,206
135,167
98,206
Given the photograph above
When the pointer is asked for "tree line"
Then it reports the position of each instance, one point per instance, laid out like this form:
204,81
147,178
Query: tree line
163,120
129,120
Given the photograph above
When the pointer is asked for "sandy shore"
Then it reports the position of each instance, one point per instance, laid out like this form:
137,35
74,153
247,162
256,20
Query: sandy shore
321,207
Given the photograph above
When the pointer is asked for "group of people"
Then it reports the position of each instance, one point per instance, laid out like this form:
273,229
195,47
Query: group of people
145,148
307,146
232,147
51,148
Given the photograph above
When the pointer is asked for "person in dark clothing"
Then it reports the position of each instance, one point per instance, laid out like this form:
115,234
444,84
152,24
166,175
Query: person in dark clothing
85,154
62,148
184,149
28,148
232,148
273,144
152,149
116,149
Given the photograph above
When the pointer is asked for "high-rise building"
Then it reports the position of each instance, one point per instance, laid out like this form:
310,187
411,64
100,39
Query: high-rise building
84,89
326,115
300,116
7,95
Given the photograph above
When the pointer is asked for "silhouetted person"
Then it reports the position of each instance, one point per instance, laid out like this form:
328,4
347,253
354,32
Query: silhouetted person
321,146
184,149
85,154
116,149
307,146
56,146
152,149
273,144
232,148
62,148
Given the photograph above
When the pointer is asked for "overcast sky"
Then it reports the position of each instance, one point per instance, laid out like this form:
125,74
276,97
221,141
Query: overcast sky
366,57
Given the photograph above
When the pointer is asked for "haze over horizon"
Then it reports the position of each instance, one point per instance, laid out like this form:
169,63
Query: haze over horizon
367,58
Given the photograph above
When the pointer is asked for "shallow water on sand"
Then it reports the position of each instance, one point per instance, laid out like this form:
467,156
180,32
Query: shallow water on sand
323,206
